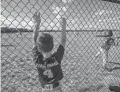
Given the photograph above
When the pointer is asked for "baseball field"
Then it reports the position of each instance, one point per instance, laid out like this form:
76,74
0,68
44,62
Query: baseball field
80,68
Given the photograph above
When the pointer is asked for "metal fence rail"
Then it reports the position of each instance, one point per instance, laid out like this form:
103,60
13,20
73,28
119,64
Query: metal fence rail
85,20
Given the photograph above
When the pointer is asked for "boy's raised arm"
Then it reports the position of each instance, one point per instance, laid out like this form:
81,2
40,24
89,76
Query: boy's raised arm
37,21
63,36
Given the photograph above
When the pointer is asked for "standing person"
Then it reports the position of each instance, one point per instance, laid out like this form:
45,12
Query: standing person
48,64
109,41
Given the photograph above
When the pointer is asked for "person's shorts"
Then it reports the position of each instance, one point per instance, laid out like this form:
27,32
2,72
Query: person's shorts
55,87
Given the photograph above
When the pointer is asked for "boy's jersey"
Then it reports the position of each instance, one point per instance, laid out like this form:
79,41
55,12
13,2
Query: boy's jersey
49,70
106,46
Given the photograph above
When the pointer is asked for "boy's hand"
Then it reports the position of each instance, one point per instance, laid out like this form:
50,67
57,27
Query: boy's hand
64,22
37,18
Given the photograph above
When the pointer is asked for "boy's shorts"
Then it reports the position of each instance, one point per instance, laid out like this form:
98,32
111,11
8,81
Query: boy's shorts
55,87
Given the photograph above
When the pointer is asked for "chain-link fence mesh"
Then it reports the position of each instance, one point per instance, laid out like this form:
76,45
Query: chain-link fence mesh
85,20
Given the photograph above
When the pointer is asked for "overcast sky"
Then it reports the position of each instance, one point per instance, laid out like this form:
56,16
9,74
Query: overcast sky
80,14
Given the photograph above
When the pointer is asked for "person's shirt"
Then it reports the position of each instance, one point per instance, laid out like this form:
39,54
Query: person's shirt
49,70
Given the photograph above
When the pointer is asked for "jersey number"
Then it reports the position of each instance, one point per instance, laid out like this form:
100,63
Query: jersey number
48,73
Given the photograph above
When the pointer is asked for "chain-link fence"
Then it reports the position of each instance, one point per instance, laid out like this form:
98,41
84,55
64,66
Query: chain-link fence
85,20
